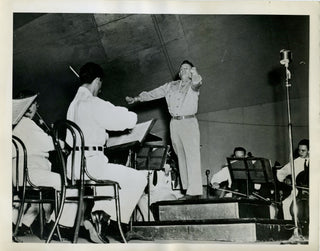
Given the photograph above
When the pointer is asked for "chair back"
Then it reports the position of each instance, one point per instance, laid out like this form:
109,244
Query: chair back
71,132
61,130
19,172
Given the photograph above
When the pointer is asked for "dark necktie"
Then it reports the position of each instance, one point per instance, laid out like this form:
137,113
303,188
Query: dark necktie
306,166
155,177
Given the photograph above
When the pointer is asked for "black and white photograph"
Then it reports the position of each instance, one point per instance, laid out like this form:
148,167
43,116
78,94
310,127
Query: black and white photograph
176,126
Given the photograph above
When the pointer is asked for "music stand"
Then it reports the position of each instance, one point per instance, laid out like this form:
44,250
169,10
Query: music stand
151,157
252,170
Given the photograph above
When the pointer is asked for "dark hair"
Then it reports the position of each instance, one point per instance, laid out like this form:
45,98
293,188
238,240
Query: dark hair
89,72
239,148
25,94
187,62
304,142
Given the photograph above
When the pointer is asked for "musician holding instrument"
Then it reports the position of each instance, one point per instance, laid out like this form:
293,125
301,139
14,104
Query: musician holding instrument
94,116
301,165
222,179
222,183
38,144
161,191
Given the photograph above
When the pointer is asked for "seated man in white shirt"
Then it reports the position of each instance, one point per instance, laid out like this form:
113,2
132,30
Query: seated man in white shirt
223,176
38,144
160,191
284,174
95,117
222,179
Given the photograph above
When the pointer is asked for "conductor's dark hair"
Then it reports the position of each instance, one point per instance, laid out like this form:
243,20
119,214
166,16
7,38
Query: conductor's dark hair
89,72
304,142
239,148
187,62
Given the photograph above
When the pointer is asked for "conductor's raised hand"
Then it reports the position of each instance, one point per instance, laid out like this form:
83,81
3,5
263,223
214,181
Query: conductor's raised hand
193,71
196,79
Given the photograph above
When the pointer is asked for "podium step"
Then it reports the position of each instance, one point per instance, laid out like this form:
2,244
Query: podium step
210,209
226,219
229,230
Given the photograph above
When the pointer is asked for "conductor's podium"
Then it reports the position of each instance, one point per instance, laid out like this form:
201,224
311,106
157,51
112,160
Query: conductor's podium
234,220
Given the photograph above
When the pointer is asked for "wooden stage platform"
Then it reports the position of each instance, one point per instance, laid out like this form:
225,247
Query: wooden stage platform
230,220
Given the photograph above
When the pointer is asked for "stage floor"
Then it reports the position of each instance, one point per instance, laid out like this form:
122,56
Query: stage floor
35,239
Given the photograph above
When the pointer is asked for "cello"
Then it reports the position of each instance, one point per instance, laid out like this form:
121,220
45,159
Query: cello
302,198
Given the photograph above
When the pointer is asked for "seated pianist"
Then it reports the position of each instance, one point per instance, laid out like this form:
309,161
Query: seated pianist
95,117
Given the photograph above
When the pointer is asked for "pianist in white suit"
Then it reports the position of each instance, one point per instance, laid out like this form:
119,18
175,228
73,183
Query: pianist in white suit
94,116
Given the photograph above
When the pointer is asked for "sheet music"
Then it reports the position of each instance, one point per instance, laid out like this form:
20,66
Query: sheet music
137,134
259,169
19,107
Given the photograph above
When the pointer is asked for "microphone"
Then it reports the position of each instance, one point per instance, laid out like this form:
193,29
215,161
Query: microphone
286,57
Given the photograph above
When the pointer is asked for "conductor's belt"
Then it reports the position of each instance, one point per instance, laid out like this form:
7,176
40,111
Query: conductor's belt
183,117
91,148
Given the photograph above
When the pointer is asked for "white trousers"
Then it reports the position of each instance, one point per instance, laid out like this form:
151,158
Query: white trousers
160,192
40,175
131,181
30,215
185,137
286,207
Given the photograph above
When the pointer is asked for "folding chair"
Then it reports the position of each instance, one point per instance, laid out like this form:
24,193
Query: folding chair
85,182
24,191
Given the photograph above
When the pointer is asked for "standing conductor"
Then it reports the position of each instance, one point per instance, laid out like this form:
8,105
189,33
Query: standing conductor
182,100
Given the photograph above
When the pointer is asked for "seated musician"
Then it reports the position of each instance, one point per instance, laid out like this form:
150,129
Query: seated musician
160,190
94,116
301,164
222,178
38,144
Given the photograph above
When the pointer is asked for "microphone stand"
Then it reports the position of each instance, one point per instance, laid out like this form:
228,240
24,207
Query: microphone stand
296,238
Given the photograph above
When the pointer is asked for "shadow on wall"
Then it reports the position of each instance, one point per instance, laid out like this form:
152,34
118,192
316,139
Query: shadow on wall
276,80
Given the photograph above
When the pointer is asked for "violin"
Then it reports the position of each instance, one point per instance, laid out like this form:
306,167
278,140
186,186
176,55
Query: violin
221,191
